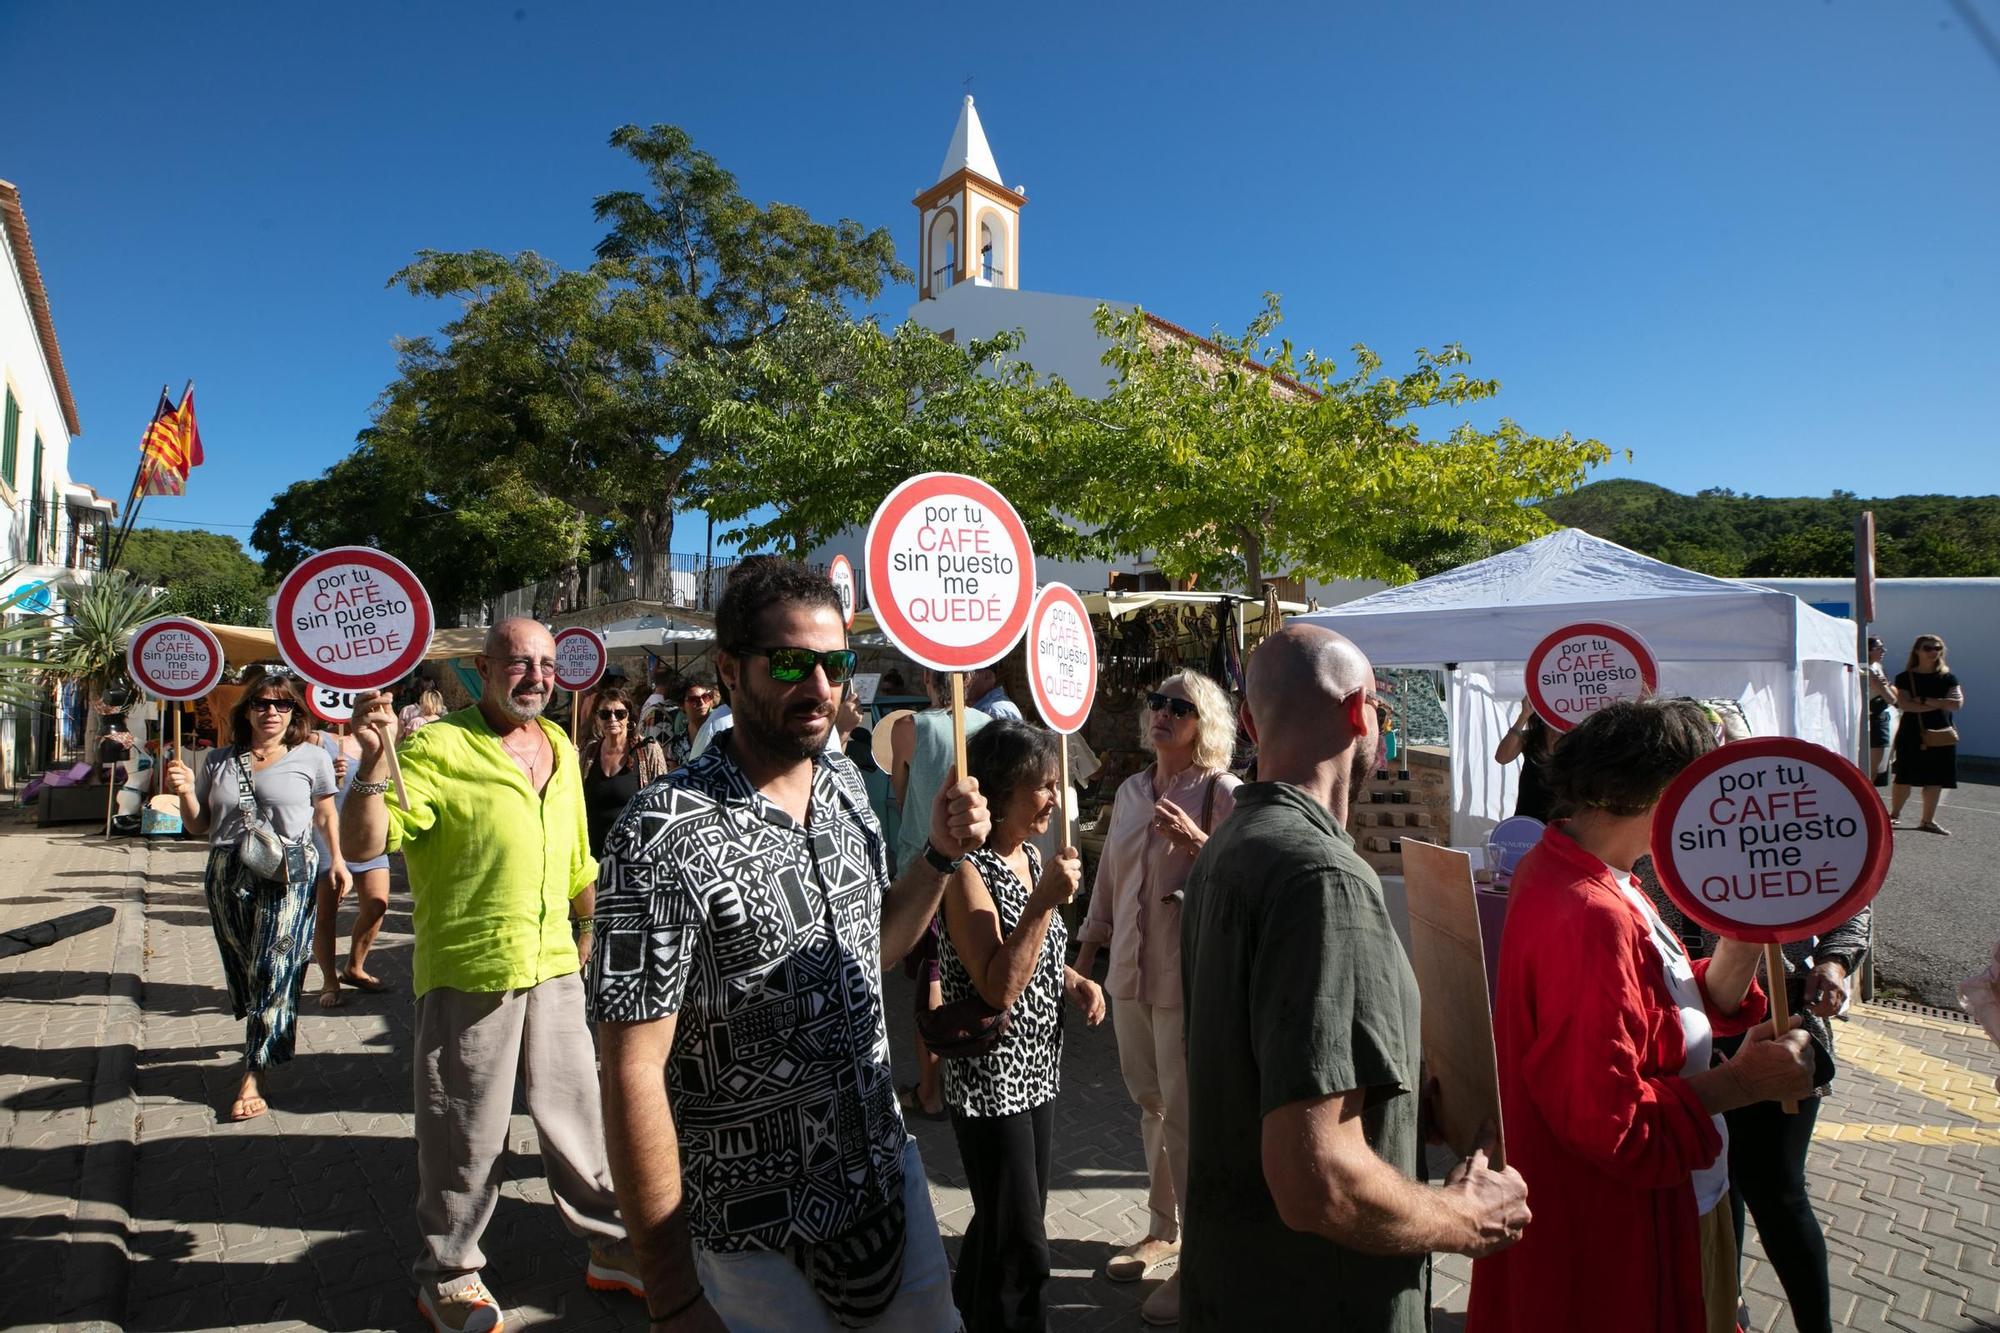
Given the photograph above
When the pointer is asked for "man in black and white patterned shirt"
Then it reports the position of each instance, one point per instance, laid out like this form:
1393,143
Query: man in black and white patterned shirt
744,915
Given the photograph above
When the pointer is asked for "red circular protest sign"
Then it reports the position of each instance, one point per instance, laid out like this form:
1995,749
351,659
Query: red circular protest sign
951,574
841,573
1062,659
580,658
174,658
1582,667
352,618
332,707
1770,840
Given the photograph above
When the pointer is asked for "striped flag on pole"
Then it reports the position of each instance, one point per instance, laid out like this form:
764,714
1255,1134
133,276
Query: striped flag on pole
172,445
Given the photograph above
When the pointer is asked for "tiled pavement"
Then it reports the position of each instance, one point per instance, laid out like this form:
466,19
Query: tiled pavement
302,1219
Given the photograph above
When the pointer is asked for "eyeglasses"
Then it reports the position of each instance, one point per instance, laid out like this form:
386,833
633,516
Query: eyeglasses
272,705
1178,707
1930,647
792,665
528,666
697,697
613,714
1373,700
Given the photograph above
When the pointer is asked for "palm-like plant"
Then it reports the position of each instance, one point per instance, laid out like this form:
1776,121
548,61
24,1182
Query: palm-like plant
23,647
90,646
86,644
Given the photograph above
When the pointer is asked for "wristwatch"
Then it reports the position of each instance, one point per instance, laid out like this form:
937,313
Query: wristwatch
938,861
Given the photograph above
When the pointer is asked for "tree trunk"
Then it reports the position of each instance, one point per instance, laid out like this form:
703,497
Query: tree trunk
652,535
1253,563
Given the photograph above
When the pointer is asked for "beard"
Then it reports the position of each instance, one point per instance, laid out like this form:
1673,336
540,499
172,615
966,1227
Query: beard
524,705
790,733
1362,765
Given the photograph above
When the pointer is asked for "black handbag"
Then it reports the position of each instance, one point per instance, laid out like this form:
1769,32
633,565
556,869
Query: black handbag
961,1030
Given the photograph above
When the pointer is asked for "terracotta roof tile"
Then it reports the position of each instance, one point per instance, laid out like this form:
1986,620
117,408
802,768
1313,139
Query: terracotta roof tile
16,223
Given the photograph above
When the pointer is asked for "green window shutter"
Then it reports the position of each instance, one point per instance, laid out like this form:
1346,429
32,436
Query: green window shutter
10,444
35,503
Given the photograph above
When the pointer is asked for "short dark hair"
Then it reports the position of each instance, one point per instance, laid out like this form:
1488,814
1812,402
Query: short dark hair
1006,755
757,585
1620,758
260,682
697,678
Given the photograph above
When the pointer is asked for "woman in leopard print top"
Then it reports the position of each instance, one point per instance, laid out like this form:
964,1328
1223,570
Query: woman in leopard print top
1006,943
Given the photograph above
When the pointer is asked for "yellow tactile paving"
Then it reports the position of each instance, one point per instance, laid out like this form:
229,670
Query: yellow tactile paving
1872,1014
1864,1046
1924,1136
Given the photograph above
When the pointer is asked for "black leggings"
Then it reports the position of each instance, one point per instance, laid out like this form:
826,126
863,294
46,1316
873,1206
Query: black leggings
1003,1263
1767,1172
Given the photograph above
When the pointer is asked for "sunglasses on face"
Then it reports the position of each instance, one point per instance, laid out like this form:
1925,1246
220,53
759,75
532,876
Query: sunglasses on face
1930,647
697,699
1178,707
271,705
613,714
792,665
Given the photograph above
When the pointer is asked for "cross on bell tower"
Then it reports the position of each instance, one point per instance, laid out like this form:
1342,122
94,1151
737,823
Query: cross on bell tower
970,222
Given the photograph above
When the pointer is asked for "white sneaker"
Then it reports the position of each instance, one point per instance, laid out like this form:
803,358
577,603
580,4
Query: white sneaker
1135,1261
461,1306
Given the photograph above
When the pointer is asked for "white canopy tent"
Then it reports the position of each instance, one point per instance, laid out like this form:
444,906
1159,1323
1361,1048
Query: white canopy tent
1790,667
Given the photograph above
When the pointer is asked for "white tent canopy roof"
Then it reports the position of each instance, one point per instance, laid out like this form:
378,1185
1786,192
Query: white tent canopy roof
1787,665
1499,608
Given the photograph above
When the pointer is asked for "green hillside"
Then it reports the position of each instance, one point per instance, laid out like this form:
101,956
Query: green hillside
1750,536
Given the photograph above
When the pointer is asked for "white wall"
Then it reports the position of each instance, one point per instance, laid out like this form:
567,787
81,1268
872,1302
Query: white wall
1059,336
25,370
1965,613
27,373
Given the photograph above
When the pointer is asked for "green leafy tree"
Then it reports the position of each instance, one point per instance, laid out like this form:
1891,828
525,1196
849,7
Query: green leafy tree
464,534
560,385
1238,457
1804,553
1721,532
819,419
165,557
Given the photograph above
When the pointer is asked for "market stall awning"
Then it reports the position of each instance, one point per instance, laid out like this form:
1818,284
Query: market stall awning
1118,605
244,644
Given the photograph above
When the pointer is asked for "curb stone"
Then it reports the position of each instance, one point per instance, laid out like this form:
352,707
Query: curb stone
100,1262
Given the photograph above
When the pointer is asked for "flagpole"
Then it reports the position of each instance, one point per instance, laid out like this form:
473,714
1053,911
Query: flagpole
133,500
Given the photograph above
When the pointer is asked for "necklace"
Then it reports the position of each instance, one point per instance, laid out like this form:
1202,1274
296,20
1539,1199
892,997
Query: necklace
531,760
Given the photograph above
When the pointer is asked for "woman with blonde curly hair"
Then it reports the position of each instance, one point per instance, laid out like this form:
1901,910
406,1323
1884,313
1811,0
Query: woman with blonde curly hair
1160,819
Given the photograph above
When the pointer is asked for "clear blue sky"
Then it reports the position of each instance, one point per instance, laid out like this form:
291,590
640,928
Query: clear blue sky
1753,243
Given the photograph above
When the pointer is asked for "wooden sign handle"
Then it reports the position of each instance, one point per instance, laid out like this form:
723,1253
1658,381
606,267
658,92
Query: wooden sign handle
177,735
958,724
1062,791
1781,1017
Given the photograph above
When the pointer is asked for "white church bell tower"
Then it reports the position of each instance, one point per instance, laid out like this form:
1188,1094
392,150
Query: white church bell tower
971,222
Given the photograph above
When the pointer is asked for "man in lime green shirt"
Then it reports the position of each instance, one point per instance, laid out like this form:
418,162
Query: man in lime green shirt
499,863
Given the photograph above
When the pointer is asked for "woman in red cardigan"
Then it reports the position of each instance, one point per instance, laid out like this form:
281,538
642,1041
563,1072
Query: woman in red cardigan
1612,1111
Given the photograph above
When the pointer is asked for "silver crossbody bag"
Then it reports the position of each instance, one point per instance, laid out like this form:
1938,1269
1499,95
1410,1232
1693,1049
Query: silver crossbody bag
261,850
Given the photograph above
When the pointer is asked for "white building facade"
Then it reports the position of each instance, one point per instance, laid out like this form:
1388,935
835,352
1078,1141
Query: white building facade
1965,613
53,528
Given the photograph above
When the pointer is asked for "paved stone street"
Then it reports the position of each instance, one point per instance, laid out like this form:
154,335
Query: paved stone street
302,1219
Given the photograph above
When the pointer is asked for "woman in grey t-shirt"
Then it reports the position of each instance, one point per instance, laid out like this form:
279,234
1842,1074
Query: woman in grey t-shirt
263,926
